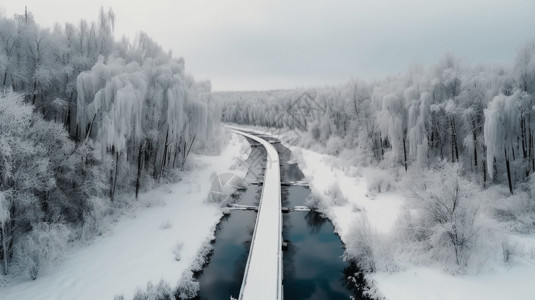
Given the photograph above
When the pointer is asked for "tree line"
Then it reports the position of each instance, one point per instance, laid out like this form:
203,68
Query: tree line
480,116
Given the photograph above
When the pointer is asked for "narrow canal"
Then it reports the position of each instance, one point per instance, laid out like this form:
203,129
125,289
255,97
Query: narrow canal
313,264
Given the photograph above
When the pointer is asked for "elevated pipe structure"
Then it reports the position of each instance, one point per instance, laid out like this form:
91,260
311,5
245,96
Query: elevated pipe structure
263,272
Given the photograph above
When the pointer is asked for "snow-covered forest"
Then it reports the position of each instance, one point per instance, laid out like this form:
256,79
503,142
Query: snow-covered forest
457,140
480,116
86,122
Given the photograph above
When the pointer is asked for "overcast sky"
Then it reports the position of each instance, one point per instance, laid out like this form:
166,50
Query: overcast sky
252,45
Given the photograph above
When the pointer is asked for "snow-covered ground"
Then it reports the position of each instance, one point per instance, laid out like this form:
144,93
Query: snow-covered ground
325,171
505,282
139,248
512,281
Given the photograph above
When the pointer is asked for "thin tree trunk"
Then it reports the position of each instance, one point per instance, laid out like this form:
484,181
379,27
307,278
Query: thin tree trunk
189,149
115,175
441,150
34,92
495,168
164,156
139,160
528,142
11,227
177,150
452,151
475,155
523,137
474,140
454,146
405,154
532,152
484,165
5,79
111,176
382,149
155,171
68,120
508,171
184,152
452,142
377,149
90,126
530,145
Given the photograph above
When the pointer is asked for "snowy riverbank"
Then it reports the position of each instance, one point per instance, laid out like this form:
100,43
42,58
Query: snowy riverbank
343,192
496,281
139,248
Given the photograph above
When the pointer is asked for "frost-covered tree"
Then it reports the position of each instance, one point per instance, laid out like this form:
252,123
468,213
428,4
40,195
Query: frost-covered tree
419,123
442,112
392,123
448,208
84,118
146,108
524,75
32,159
501,122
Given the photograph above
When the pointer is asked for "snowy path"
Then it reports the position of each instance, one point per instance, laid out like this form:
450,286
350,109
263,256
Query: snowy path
139,247
263,273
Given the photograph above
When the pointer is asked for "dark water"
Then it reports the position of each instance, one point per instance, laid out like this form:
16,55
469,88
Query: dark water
223,275
313,264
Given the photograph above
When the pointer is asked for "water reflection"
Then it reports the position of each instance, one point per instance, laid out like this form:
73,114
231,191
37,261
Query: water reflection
313,267
223,275
356,281
314,221
313,264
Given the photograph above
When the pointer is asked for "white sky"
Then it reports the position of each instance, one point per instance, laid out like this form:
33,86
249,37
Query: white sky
265,44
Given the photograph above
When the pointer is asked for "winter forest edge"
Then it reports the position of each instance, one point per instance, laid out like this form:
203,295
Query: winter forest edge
87,121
